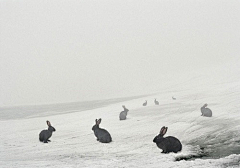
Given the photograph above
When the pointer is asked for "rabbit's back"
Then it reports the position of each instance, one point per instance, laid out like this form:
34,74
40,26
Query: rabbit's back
103,135
175,146
156,102
45,135
123,115
170,144
206,112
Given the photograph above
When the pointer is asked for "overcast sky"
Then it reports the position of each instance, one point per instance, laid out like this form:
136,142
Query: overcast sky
61,51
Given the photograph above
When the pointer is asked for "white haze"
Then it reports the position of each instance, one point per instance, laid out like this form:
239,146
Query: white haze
64,51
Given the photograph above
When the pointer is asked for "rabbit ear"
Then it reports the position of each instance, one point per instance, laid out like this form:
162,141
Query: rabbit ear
96,121
99,121
163,130
48,123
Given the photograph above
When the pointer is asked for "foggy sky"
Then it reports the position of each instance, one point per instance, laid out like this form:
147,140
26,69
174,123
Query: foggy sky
63,51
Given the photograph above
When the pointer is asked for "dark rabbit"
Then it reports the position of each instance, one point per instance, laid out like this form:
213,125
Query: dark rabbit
168,144
46,134
206,111
145,104
101,134
156,102
123,114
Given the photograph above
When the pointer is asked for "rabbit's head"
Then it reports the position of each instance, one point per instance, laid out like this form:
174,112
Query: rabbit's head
205,105
97,123
159,138
50,127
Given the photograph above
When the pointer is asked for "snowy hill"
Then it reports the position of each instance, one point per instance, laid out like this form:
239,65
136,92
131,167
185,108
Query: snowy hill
207,142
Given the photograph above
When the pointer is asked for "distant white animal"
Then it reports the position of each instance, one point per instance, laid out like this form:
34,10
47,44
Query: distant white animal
156,102
123,114
145,104
206,111
173,98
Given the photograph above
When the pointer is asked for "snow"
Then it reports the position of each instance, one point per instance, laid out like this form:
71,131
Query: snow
74,144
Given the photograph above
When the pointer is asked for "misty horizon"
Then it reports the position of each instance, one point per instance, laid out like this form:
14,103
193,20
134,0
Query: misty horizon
68,51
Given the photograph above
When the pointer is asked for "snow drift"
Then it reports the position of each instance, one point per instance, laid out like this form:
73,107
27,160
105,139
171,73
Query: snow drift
207,141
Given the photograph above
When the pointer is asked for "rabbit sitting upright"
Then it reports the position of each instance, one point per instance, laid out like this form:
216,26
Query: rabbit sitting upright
101,134
168,144
123,114
46,134
206,111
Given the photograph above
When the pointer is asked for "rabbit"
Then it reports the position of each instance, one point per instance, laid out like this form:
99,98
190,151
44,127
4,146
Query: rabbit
156,102
123,114
206,111
101,134
168,144
46,134
145,104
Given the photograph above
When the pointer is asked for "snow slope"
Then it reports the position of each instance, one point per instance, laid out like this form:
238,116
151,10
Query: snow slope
213,142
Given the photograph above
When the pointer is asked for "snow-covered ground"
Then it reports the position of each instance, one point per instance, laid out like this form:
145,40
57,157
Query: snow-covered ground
212,142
